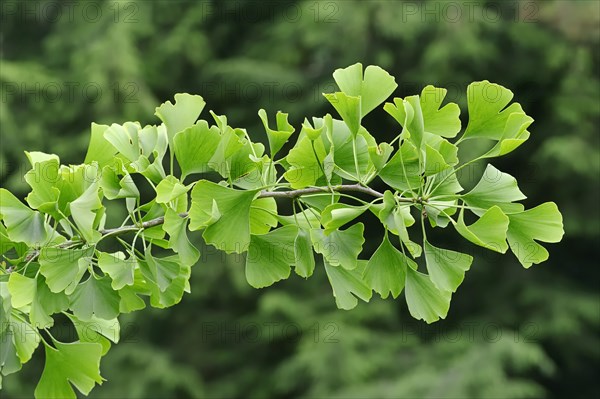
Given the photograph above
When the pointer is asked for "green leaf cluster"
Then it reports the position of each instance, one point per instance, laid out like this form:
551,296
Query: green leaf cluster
212,178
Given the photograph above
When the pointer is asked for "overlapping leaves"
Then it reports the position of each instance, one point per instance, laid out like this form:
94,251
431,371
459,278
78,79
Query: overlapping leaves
55,259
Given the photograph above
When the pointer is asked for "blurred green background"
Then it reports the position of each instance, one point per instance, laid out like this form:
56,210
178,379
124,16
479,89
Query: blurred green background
510,333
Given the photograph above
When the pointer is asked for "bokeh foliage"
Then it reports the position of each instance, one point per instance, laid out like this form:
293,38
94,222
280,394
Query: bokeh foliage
510,333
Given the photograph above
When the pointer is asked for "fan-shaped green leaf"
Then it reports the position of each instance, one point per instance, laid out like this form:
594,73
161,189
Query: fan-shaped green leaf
443,121
373,89
446,268
195,146
180,115
348,285
95,297
489,231
231,232
386,271
424,300
270,256
488,111
76,363
277,138
340,247
542,223
495,188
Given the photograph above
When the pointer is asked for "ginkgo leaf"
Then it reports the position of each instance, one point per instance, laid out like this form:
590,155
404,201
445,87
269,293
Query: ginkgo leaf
76,363
231,232
99,150
425,301
263,217
160,271
270,256
514,134
446,268
84,210
386,270
542,223
495,188
340,247
409,115
488,111
348,285
180,115
402,172
97,330
64,267
22,223
489,231
32,293
194,148
305,162
337,215
444,121
114,187
303,252
95,297
277,138
348,107
373,88
43,179
118,267
176,227
169,189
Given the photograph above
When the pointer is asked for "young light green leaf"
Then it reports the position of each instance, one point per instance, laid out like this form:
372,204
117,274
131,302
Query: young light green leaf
303,252
403,171
542,223
425,301
231,232
443,121
386,271
33,295
114,187
76,363
160,272
100,150
117,267
263,217
337,215
373,89
515,133
64,268
43,179
341,247
409,115
174,292
169,189
195,146
380,154
495,188
270,256
22,223
348,285
95,297
348,107
488,232
180,115
446,268
488,111
277,138
97,330
305,163
176,227
84,210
